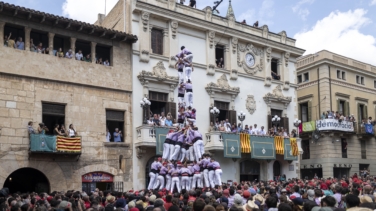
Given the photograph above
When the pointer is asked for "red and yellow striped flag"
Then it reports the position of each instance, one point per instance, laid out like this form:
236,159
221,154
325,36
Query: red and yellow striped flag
279,145
245,143
294,147
65,144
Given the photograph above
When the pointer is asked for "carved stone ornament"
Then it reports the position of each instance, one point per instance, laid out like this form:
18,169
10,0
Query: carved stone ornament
258,55
208,13
234,74
222,86
210,70
268,53
268,81
287,57
174,28
265,31
250,104
234,43
140,152
172,62
144,56
171,4
283,36
286,85
277,96
231,21
211,36
145,20
158,74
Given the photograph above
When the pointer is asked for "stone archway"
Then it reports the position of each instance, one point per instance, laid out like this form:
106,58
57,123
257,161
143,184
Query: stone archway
27,180
12,162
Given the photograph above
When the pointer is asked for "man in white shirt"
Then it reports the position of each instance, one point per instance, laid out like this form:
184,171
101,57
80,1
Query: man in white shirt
262,131
79,55
69,54
250,130
255,130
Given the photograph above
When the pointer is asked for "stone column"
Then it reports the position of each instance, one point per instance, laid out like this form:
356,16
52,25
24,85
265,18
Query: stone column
166,46
27,38
280,69
267,66
93,45
227,57
51,42
2,24
73,45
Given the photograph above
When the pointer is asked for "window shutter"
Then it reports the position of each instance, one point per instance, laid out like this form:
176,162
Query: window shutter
270,121
285,123
309,110
338,105
171,108
346,112
232,117
299,111
365,112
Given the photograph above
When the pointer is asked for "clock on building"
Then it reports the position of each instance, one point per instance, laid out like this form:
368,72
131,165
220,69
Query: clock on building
249,60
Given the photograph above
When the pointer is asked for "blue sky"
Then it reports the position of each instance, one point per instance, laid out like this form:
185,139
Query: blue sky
347,27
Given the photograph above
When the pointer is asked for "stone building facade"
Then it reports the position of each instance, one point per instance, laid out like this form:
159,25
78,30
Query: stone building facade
165,26
87,92
332,82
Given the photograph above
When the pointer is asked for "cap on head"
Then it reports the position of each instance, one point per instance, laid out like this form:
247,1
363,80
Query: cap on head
182,47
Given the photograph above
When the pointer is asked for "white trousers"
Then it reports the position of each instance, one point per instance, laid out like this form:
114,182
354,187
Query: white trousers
187,154
211,178
156,181
188,73
192,120
218,175
183,154
172,150
206,178
175,182
168,182
161,181
166,151
196,179
181,77
198,147
191,153
152,180
181,101
185,182
189,98
176,153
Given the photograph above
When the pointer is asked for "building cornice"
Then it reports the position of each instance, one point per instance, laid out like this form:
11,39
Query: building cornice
307,84
305,97
361,99
342,95
353,86
189,20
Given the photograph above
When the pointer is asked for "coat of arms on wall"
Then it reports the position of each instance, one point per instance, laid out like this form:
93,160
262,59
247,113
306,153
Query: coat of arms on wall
251,104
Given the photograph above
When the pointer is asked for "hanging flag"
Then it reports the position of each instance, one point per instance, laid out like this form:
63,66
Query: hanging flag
279,146
294,147
245,143
68,144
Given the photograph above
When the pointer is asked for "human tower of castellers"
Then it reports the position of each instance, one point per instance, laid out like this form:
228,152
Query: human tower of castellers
184,165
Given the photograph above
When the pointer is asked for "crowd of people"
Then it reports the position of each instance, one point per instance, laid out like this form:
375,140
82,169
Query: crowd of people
58,130
9,42
331,194
340,117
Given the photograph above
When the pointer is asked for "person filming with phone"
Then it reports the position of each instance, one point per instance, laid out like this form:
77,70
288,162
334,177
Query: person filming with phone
117,135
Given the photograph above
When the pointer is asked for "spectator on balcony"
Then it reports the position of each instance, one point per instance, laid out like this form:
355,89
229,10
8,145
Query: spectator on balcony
11,42
30,128
192,3
286,133
234,129
275,76
42,129
106,63
60,53
369,121
72,131
150,121
69,54
255,130
20,45
222,127
271,132
246,129
239,128
6,39
108,135
220,63
262,131
330,115
168,121
323,116
156,120
117,135
79,55
63,131
87,58
33,48
99,61
46,51
293,133
56,131
40,48
250,129
162,121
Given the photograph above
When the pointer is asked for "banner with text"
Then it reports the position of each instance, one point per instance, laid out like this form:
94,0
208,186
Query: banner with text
160,137
334,124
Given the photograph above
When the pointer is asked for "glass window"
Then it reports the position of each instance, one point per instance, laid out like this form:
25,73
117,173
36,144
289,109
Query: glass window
157,41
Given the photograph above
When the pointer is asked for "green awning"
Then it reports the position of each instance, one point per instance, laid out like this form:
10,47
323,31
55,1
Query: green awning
262,148
288,152
160,137
231,145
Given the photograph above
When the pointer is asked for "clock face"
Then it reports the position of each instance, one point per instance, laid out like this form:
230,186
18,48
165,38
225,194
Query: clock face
249,60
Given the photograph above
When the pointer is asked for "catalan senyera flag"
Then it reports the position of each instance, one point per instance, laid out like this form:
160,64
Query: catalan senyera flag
294,147
67,144
279,145
245,143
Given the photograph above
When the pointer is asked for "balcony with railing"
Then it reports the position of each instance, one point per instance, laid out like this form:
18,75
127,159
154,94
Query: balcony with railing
365,129
41,143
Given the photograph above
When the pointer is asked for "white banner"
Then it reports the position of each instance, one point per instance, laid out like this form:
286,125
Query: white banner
333,124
